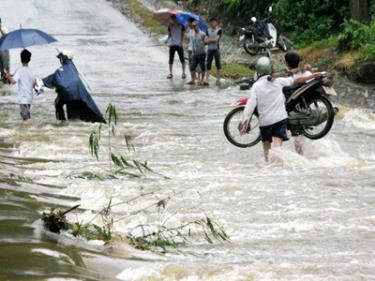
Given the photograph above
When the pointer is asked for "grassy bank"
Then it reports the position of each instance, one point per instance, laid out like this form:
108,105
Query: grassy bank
144,16
234,71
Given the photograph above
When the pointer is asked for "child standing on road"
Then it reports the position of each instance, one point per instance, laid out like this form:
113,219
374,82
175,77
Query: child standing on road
26,79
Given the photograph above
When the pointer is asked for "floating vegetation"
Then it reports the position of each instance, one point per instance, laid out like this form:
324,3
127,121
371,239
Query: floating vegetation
55,220
13,179
160,236
157,238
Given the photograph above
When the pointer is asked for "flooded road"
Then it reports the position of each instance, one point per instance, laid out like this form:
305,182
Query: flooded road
304,218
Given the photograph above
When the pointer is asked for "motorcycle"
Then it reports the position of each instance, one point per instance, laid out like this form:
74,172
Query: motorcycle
262,35
309,107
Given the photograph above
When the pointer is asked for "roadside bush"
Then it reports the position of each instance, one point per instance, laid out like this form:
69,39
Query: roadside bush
310,20
356,36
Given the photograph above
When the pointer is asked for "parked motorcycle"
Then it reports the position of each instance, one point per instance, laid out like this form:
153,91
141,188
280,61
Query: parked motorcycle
309,108
262,35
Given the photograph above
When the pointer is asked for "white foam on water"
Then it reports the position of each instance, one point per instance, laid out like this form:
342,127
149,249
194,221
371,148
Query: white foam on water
360,118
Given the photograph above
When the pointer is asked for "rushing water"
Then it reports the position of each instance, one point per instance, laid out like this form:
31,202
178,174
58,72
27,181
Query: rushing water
302,218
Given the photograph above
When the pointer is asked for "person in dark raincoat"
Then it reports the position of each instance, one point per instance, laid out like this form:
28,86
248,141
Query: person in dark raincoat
4,57
72,92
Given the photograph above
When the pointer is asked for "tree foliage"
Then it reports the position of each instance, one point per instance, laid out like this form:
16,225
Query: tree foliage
305,21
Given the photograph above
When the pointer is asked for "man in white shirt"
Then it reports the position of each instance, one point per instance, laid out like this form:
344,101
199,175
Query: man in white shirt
26,79
267,96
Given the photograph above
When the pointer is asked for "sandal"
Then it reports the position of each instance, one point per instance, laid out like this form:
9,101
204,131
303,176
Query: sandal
183,76
170,76
205,84
190,83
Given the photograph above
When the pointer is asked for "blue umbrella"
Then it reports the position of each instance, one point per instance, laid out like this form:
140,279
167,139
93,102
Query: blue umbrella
184,17
23,38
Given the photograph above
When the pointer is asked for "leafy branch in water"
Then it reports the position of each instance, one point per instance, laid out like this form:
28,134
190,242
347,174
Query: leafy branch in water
119,165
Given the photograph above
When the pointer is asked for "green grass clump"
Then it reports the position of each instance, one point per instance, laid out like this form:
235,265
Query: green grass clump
145,16
233,71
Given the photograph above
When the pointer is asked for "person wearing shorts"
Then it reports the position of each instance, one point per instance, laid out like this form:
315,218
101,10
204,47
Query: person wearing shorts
199,54
189,40
25,77
214,34
176,35
267,96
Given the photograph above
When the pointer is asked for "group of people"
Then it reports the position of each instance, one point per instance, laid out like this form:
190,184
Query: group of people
203,48
267,96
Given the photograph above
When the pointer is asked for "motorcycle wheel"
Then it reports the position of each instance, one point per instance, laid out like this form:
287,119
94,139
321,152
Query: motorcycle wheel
282,44
324,105
232,132
247,46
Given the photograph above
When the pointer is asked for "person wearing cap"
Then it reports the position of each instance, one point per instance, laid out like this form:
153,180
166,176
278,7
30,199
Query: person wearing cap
4,57
71,92
25,77
267,96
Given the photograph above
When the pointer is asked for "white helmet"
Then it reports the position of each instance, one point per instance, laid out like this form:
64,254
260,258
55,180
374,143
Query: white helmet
254,19
67,54
4,30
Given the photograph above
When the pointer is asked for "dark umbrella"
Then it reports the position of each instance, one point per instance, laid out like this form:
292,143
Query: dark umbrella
23,38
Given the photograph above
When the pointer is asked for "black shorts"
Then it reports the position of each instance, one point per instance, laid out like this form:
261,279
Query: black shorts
211,54
277,130
180,52
198,60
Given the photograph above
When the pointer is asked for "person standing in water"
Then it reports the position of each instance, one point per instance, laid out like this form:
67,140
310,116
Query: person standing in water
71,91
175,38
4,57
267,96
292,61
25,77
214,33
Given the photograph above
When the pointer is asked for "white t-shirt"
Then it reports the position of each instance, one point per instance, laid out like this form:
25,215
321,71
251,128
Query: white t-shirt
302,74
269,98
26,78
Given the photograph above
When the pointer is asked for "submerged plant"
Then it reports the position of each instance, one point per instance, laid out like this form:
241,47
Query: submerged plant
119,165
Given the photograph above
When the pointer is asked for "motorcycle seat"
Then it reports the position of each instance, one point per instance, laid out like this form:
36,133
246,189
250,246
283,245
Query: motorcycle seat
288,91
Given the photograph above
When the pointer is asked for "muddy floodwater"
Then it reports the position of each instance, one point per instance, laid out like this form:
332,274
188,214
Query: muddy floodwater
308,217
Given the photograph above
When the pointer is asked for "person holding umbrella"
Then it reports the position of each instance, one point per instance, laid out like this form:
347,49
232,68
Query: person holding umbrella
175,38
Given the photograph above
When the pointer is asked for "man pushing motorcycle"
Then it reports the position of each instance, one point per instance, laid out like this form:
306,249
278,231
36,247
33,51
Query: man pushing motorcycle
267,96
